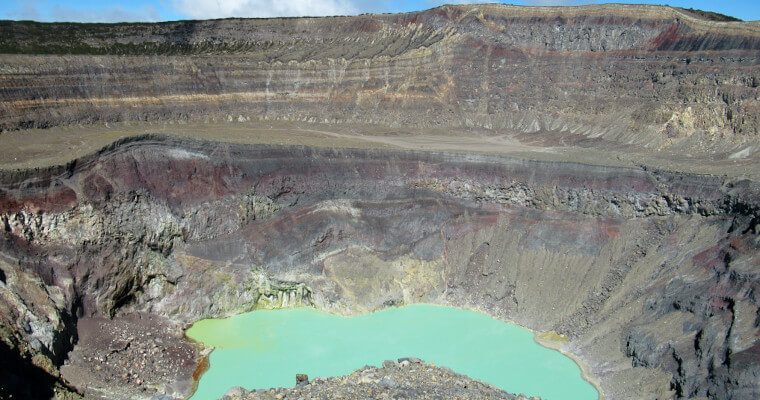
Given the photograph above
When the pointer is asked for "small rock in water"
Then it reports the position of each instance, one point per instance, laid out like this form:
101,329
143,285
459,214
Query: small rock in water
302,379
236,392
389,364
413,360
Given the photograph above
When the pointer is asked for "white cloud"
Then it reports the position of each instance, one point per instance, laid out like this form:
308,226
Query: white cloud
203,9
440,3
42,10
25,11
558,2
110,14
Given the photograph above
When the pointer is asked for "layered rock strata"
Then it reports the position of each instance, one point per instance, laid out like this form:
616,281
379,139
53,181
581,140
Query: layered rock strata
650,274
643,75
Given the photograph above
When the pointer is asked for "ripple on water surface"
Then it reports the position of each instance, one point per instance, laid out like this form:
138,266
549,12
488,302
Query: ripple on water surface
266,348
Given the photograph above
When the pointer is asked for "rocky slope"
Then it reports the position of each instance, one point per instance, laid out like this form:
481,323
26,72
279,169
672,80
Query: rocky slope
650,271
650,274
621,74
404,379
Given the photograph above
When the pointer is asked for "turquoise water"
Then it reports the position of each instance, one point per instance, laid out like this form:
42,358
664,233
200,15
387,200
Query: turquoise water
267,348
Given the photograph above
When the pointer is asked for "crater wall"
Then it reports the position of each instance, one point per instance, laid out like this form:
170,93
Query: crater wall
650,274
625,74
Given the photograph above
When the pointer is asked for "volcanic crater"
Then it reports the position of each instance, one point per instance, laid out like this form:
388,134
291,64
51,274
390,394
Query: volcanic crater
584,171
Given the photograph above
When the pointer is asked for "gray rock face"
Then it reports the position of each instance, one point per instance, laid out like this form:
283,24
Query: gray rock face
662,73
413,381
650,274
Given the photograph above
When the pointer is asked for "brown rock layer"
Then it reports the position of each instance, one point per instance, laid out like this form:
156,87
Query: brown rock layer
626,74
649,273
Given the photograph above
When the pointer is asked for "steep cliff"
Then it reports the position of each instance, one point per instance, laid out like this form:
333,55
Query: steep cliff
626,74
651,274
537,164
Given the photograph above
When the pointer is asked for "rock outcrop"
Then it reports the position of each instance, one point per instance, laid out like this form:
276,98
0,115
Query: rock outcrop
649,273
406,380
622,74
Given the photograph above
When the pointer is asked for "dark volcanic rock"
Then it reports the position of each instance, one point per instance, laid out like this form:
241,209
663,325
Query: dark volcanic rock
131,356
651,274
407,381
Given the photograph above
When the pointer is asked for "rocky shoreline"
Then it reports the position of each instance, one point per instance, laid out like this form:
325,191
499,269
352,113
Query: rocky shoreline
406,378
554,341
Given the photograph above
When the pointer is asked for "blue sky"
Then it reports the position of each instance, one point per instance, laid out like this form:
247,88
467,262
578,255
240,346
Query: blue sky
162,10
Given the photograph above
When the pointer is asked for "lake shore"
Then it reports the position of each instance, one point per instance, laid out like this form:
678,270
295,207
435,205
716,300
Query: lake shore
555,341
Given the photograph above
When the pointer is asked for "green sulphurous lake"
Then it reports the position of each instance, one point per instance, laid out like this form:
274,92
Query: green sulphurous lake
267,348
